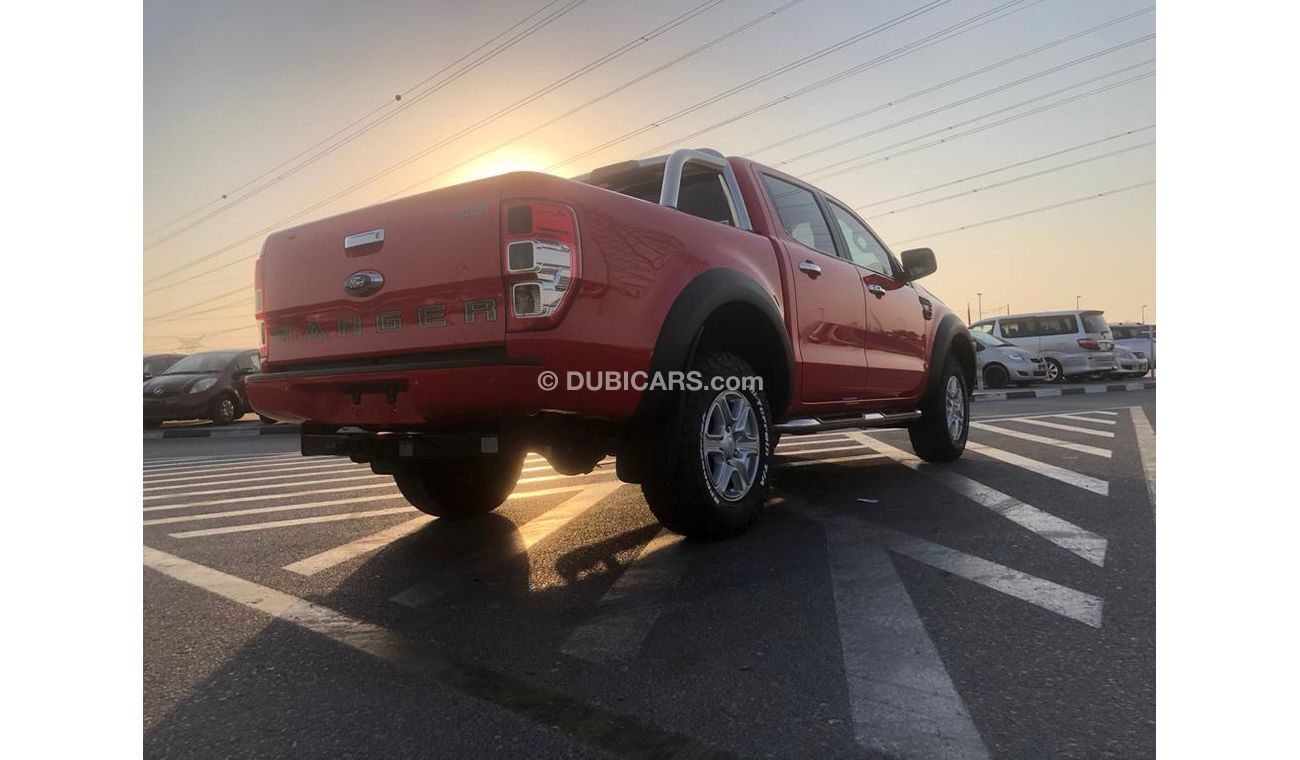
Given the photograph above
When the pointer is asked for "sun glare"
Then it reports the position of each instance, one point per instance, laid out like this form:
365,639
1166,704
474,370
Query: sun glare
502,162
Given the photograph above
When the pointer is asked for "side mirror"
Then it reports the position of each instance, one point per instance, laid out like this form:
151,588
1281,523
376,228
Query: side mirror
918,263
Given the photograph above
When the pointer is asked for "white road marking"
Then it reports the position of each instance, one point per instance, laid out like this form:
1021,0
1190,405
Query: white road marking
1070,477
1106,412
1146,441
1062,600
832,460
783,453
793,440
1079,447
209,464
272,481
1005,417
530,533
264,497
1081,418
598,473
288,465
290,523
629,609
268,510
353,549
1067,428
1063,533
266,487
607,461
902,701
271,474
801,447
217,458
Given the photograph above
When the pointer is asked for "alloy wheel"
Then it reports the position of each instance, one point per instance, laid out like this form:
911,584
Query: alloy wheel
730,445
954,407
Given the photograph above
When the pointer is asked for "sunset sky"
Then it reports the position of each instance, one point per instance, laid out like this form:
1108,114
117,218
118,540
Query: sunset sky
288,109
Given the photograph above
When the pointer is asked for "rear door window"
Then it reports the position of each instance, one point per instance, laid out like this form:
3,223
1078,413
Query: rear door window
1059,324
1018,328
800,216
864,249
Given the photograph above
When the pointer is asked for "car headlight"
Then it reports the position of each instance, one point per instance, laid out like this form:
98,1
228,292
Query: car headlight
1019,357
203,385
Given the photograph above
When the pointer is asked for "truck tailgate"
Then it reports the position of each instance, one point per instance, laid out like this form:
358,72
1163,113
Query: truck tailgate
414,275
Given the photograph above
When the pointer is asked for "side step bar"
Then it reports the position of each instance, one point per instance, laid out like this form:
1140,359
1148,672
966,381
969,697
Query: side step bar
808,425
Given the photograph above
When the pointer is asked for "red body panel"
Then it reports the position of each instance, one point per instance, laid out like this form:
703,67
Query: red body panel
443,250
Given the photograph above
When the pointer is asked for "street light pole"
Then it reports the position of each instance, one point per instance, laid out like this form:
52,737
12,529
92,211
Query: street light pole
980,296
1144,314
1076,301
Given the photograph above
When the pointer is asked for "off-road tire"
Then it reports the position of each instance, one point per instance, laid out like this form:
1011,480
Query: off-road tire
678,486
460,486
931,437
996,376
221,413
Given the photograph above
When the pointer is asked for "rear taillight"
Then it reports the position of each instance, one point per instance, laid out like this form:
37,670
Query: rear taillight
1088,344
259,307
541,262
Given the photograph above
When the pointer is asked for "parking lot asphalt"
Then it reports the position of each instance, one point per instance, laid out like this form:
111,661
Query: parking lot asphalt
999,606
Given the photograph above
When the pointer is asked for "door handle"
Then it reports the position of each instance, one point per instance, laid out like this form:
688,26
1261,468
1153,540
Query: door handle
810,269
876,289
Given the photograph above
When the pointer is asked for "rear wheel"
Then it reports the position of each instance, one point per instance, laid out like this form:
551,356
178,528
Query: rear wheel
225,410
460,486
940,434
710,479
1055,373
996,376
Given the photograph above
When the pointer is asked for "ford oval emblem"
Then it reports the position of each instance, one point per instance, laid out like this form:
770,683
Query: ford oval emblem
363,283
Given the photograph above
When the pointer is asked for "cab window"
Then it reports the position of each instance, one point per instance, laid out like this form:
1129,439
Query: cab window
800,216
983,327
864,249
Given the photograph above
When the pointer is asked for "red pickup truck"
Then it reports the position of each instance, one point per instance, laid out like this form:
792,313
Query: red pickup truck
680,313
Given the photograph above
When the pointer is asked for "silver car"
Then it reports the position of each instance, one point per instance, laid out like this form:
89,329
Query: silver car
1130,363
999,362
1137,337
1074,343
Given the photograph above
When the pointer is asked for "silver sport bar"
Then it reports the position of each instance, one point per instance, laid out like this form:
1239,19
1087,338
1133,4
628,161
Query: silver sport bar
676,164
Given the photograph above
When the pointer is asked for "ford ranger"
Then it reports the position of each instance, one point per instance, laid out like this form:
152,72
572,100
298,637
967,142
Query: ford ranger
679,313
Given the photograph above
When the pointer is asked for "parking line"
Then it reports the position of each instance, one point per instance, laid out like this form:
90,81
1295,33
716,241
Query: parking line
207,463
353,549
1070,477
270,480
268,510
1081,418
1146,441
264,497
290,523
1005,417
281,472
800,447
593,725
832,460
266,487
287,465
216,458
1079,447
901,697
629,609
1106,412
1063,533
1067,428
543,478
786,453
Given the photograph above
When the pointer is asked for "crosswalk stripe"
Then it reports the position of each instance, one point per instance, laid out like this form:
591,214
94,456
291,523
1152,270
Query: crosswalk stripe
1081,418
1146,440
271,474
1063,533
900,693
629,609
264,497
786,453
830,460
1067,428
289,523
543,478
1082,448
204,464
265,487
1070,477
214,458
353,549
267,510
530,534
793,439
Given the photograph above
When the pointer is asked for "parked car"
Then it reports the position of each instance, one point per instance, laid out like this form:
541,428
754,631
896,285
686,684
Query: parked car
1073,343
1129,363
210,385
156,364
1138,337
437,337
1000,363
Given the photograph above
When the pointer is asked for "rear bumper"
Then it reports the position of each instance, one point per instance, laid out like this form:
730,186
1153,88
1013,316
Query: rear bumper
400,396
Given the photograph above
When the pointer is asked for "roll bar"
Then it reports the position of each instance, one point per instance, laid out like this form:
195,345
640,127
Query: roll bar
675,166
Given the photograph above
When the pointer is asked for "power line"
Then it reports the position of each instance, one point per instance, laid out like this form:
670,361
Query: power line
1017,215
410,102
976,72
156,317
608,93
804,61
820,176
943,35
968,99
588,68
1021,178
1026,161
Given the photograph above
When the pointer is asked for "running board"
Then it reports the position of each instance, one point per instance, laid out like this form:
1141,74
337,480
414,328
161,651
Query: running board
807,425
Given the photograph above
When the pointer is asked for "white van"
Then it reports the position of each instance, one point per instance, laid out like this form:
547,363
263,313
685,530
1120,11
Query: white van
1073,343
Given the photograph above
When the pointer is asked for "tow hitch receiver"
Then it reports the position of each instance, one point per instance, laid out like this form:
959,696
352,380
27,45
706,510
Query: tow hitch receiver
366,446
